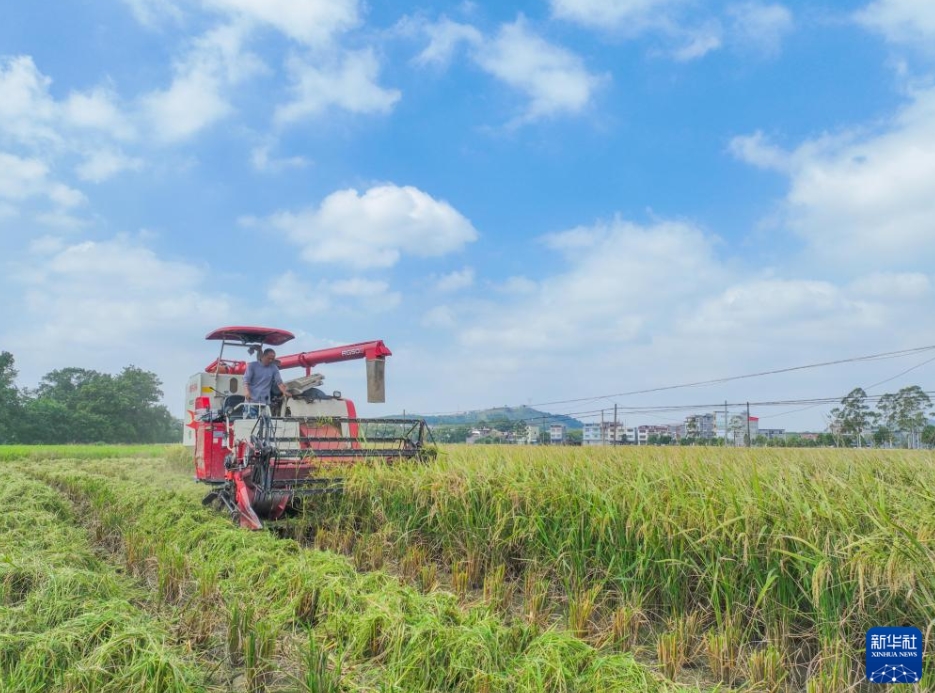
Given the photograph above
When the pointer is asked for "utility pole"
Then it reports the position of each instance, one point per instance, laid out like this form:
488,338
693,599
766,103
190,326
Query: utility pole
749,439
725,423
614,433
603,442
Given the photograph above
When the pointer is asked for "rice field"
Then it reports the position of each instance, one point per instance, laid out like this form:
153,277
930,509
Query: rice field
490,569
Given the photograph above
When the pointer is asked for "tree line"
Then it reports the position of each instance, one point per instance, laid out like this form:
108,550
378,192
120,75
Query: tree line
77,405
900,418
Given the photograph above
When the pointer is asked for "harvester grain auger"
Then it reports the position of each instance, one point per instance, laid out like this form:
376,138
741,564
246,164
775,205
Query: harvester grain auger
260,458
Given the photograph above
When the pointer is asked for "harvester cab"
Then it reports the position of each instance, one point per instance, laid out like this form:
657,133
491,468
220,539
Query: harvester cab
260,458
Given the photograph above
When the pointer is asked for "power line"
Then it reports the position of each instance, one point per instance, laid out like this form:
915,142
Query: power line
899,375
717,381
869,387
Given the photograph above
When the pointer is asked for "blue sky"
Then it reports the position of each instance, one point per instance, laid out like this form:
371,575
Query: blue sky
529,201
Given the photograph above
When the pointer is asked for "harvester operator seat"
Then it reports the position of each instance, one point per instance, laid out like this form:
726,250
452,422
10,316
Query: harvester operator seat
229,410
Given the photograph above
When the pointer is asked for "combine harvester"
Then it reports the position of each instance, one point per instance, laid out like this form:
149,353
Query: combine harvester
259,459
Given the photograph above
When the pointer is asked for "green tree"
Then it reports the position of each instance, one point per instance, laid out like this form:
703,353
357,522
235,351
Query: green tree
10,400
912,403
452,434
882,436
904,412
854,417
888,415
928,436
500,422
574,437
76,405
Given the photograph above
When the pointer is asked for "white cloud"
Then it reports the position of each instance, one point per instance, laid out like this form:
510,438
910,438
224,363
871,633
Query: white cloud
65,196
350,85
30,116
199,94
22,178
375,229
60,219
97,110
553,78
307,21
151,13
193,102
359,287
517,285
699,42
628,16
689,33
109,303
755,149
100,292
440,316
908,22
621,279
31,120
27,111
264,163
104,164
369,294
759,26
892,286
299,298
782,308
862,199
455,281
445,36
46,245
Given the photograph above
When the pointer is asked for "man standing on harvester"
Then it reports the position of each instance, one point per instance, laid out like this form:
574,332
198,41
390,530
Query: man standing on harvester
260,378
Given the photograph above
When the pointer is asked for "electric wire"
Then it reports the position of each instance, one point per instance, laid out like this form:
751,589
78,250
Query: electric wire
717,381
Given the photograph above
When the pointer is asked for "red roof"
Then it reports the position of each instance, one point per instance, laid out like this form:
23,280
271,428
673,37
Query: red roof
252,335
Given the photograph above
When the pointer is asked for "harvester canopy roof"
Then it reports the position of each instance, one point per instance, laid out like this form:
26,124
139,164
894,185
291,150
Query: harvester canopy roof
252,335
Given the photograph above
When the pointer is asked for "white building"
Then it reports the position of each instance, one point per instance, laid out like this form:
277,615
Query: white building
603,433
532,435
700,426
640,435
737,428
557,434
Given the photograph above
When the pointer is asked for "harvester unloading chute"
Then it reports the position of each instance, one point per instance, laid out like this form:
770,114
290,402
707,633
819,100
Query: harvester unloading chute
261,457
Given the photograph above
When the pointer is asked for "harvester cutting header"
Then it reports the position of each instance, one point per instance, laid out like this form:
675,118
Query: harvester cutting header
261,456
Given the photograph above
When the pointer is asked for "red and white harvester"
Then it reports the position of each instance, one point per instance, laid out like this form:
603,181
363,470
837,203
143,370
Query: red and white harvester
258,458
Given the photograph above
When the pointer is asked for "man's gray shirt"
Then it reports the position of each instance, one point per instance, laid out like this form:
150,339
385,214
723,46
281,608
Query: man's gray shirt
260,381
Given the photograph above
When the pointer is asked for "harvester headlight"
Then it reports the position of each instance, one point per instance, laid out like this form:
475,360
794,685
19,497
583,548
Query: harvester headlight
336,394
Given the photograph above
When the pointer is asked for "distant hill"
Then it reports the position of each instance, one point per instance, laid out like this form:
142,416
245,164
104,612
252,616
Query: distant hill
527,414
